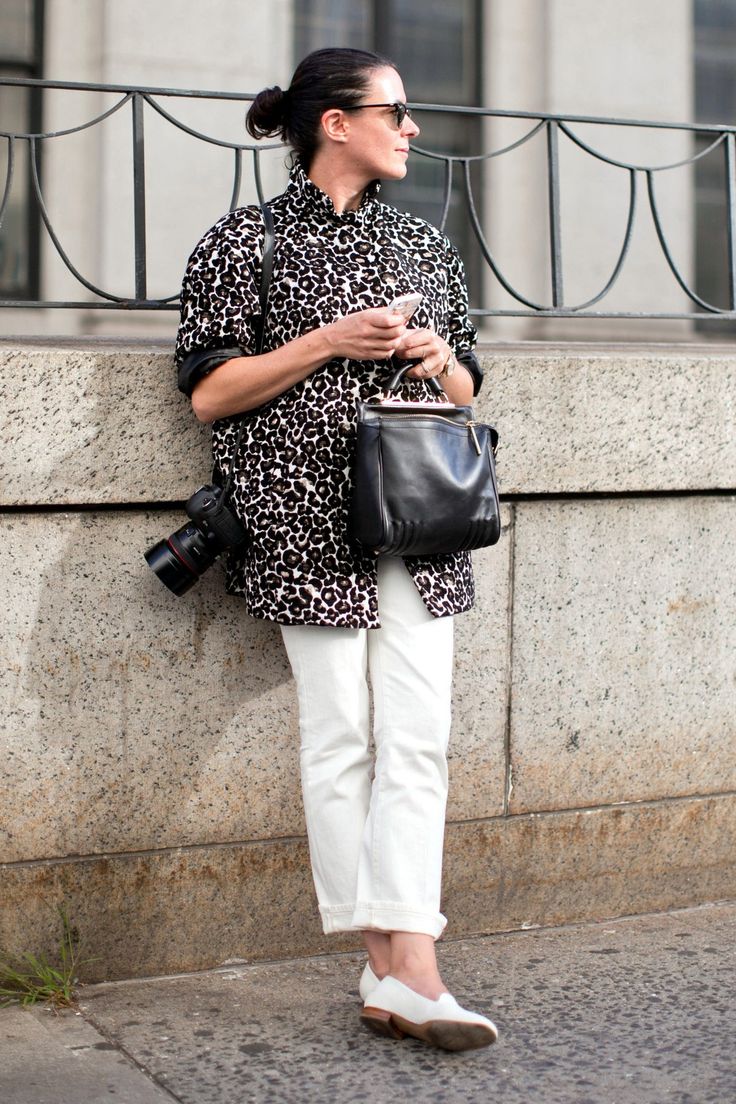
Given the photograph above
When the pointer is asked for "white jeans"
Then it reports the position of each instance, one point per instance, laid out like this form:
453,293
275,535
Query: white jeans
376,836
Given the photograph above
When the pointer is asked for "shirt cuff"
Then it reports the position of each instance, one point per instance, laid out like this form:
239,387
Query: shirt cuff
470,362
199,363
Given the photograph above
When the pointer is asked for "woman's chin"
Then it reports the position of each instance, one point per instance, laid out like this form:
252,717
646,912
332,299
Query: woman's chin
397,172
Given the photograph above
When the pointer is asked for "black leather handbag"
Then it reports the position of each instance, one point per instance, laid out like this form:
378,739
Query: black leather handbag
424,478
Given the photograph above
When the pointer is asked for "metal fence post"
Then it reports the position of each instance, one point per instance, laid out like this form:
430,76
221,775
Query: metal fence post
730,148
555,230
139,198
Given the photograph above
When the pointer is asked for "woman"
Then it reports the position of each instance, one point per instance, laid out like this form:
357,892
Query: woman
341,257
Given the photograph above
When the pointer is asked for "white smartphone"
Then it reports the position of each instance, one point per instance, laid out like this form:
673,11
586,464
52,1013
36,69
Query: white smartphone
406,304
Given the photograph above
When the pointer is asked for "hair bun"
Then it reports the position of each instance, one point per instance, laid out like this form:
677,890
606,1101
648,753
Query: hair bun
267,114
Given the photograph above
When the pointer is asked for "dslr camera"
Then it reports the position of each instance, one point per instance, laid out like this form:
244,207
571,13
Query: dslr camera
182,558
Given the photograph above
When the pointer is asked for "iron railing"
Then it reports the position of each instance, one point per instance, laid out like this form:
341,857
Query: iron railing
718,137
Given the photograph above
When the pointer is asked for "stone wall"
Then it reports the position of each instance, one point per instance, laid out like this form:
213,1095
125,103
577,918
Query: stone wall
149,775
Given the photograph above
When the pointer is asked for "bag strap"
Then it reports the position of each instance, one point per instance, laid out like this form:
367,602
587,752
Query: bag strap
266,273
264,287
395,382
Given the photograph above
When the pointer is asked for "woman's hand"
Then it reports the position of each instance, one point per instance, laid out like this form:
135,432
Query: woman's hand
433,352
427,347
366,335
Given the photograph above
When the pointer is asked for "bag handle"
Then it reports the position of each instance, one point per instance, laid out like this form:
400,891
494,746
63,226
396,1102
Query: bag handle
395,382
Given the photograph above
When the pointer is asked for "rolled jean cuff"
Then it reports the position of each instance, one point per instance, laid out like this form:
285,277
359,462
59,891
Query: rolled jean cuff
381,916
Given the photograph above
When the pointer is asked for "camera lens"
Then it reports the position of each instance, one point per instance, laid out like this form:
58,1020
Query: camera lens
181,558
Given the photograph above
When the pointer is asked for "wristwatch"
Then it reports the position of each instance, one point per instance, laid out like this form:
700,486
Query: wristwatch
450,366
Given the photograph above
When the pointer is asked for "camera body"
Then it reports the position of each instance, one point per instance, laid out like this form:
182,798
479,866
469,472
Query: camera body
181,559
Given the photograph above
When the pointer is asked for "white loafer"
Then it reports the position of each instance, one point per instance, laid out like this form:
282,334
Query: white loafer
368,982
396,1010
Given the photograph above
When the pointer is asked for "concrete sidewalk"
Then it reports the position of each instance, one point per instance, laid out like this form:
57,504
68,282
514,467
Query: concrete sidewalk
634,1011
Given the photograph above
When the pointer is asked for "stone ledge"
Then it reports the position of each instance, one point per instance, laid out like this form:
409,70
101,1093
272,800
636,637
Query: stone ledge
103,423
196,908
613,421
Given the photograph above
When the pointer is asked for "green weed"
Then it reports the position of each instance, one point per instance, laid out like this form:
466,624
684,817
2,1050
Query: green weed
28,978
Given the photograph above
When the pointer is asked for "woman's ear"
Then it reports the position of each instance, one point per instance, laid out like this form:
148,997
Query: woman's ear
335,124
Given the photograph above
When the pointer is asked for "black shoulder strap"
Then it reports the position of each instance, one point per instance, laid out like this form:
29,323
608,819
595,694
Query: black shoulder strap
266,273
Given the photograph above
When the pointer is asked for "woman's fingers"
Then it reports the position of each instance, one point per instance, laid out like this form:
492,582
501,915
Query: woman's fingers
367,335
378,333
420,343
425,346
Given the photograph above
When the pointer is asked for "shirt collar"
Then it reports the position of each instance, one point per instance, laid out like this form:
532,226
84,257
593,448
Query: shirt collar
318,201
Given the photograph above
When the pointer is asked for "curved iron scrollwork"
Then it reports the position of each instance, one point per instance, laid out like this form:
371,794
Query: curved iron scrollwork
553,126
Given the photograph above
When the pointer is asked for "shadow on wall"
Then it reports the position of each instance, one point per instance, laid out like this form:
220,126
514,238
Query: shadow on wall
148,721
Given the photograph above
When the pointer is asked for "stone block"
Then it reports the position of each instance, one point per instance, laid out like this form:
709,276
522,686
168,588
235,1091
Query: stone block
611,418
138,720
624,651
135,719
192,908
94,423
560,868
170,909
477,754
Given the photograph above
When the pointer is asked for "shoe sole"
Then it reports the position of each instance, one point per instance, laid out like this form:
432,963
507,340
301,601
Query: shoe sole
381,1022
445,1034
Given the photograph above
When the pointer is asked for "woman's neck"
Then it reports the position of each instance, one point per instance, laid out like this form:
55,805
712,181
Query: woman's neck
345,189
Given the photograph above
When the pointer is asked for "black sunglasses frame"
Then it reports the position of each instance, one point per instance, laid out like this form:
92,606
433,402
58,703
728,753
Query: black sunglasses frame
400,110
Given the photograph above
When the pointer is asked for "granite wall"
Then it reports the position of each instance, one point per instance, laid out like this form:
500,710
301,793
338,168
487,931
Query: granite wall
149,775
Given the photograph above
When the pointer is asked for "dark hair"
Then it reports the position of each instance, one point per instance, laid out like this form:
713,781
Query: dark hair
334,77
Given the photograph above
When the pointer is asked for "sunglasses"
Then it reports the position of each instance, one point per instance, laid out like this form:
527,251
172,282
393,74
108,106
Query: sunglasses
400,110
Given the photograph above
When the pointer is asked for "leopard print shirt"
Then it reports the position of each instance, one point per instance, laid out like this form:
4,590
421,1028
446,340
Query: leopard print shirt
292,483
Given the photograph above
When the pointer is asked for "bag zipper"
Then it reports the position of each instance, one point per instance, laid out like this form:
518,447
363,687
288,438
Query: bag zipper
470,425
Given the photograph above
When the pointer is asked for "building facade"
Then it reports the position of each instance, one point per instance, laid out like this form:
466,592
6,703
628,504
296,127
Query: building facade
666,61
